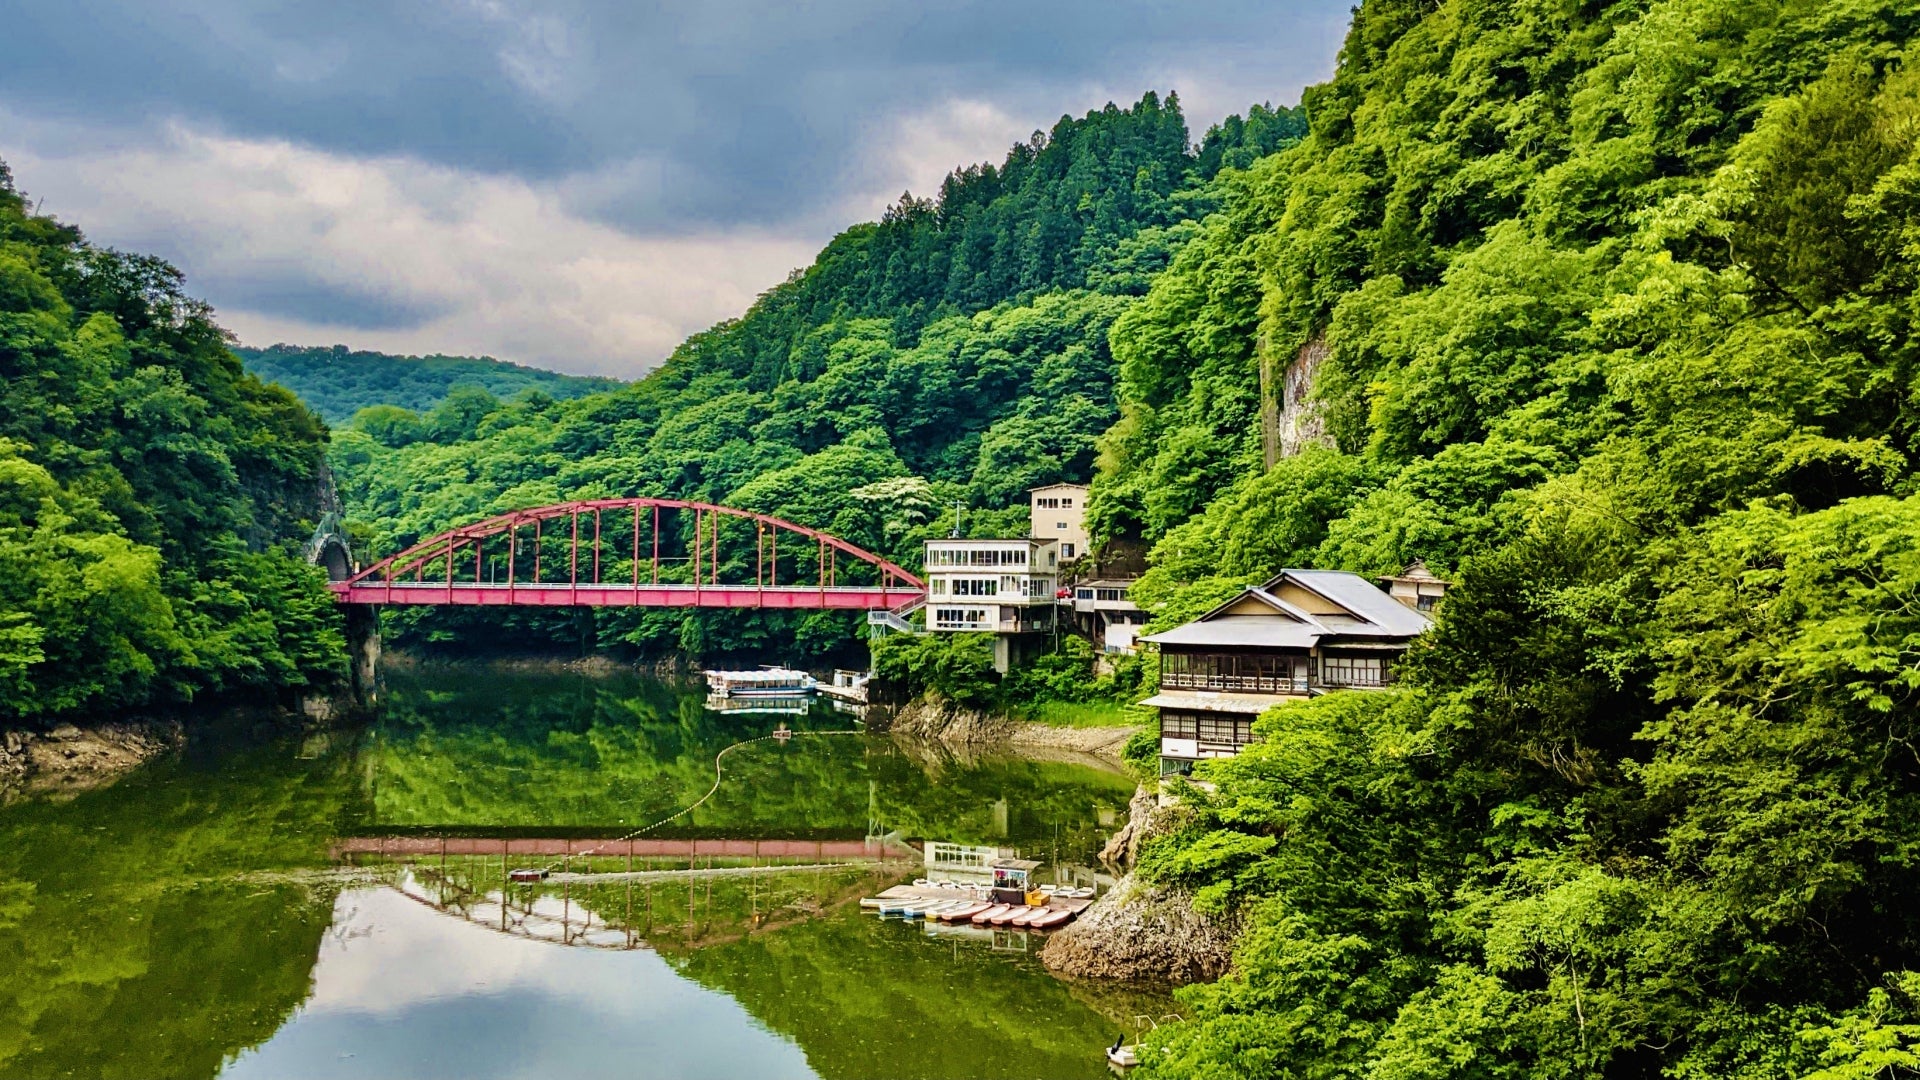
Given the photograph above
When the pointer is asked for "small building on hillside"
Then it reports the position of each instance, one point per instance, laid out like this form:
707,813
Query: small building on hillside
1416,586
1303,633
1001,587
1103,610
1059,513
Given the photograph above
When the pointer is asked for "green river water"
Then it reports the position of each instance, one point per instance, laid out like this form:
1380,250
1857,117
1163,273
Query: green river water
190,921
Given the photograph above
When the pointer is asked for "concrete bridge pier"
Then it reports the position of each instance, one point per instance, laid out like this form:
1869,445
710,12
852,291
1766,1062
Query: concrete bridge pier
363,657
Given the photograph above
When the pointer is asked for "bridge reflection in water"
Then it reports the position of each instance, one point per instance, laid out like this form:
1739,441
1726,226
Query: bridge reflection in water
625,894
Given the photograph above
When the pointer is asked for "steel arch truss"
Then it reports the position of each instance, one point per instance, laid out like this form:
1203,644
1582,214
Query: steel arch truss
635,553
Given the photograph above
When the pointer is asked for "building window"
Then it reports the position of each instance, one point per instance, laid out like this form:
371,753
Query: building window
1353,671
958,618
1111,594
1226,730
1248,673
1066,551
937,587
1206,727
986,557
1066,504
975,586
1426,601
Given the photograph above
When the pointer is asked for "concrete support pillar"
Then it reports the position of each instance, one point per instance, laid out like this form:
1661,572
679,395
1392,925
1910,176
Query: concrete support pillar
363,656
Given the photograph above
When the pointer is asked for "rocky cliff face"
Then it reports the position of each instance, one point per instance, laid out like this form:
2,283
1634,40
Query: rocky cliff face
940,720
1142,930
1301,424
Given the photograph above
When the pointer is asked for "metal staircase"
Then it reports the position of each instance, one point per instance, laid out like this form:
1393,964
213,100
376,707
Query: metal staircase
894,619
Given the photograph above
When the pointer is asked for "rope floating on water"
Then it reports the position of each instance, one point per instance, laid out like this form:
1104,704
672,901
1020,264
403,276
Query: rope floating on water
779,736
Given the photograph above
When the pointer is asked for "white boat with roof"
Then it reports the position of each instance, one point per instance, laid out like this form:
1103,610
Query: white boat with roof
761,682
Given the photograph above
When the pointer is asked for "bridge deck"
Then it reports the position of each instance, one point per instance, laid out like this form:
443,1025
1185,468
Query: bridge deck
549,594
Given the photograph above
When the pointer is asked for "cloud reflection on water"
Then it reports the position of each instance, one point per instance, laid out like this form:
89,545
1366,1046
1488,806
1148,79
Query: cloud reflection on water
400,991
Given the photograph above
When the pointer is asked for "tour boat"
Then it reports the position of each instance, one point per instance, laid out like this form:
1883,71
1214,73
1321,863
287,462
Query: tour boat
763,682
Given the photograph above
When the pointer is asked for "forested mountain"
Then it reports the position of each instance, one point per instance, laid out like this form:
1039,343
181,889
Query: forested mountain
1604,310
954,351
146,486
337,382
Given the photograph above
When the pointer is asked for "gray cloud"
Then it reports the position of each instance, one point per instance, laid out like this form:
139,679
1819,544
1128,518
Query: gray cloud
500,172
733,112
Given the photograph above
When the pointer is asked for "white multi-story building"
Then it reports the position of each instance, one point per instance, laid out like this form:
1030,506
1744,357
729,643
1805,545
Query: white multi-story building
992,586
1059,512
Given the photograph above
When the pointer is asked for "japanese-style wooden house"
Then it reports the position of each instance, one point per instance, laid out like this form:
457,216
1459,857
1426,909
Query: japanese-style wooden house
1303,633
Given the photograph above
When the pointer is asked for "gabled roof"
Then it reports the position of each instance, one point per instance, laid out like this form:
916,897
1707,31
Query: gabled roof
1052,487
1365,612
1261,631
1384,616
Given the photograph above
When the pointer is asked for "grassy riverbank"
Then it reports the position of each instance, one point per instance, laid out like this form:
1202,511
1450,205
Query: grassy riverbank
1083,714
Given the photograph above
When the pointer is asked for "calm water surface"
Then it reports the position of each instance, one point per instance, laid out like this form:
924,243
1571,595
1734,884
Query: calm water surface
196,918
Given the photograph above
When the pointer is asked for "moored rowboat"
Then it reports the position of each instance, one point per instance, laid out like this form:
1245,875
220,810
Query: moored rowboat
1052,918
981,918
965,911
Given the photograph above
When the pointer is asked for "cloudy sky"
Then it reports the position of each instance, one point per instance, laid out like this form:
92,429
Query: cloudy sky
576,184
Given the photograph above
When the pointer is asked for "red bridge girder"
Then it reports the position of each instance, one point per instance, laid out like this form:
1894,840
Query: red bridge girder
633,563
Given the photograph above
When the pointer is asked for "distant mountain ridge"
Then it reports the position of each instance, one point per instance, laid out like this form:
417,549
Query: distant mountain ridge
337,382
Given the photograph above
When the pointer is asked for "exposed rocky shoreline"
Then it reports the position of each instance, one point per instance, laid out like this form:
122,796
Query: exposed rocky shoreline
70,759
1140,929
938,720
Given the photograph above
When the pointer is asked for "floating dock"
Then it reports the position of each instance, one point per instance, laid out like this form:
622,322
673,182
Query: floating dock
902,894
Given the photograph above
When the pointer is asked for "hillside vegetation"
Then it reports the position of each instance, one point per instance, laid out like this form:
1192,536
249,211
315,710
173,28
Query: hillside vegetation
147,485
1616,302
1608,308
337,382
955,351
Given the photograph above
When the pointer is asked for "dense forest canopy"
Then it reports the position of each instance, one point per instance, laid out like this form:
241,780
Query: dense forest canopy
147,485
337,382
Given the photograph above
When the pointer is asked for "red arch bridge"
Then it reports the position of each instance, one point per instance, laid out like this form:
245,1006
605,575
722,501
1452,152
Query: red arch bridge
634,553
